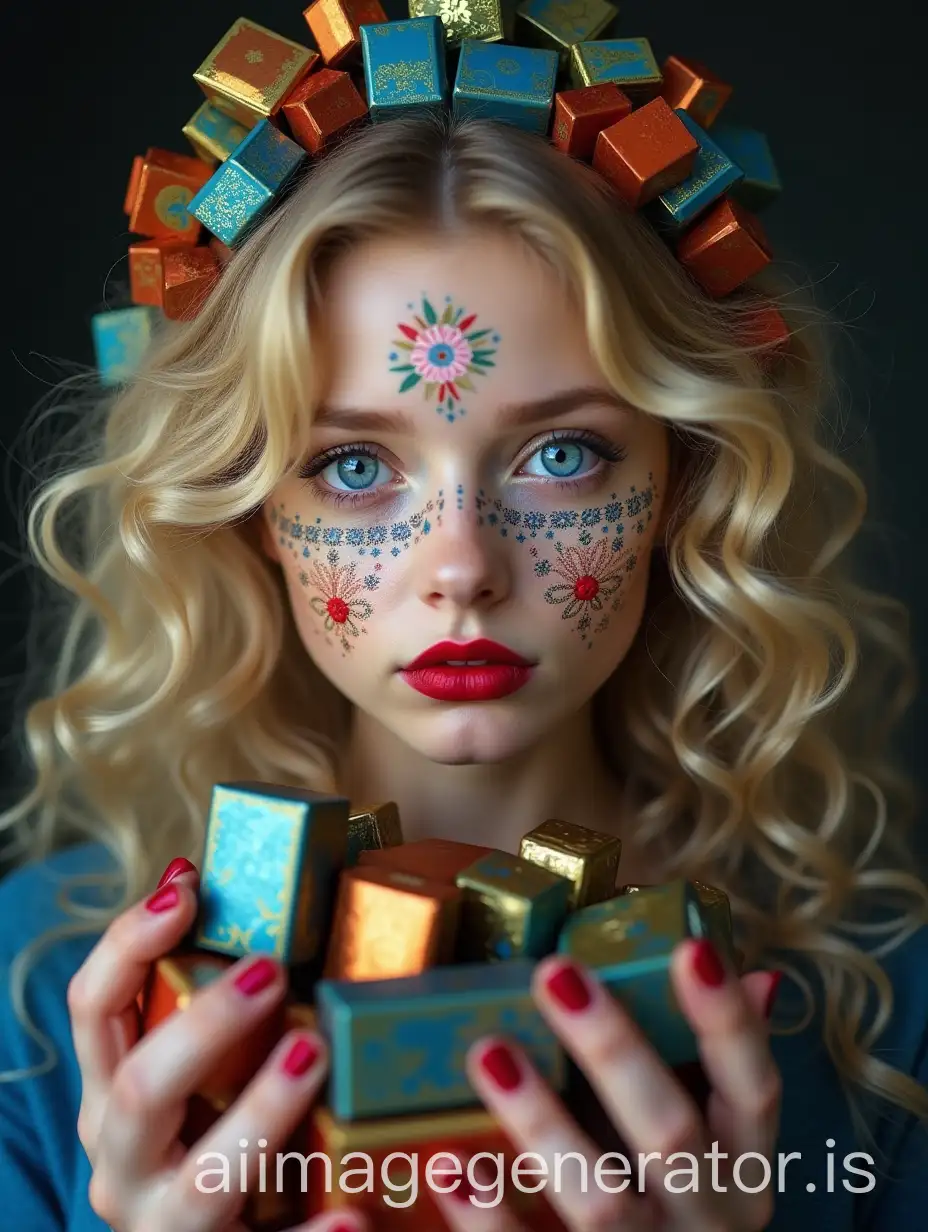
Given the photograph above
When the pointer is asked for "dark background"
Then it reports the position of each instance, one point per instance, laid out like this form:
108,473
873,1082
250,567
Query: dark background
838,91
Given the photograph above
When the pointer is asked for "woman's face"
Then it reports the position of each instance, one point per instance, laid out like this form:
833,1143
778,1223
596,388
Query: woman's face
471,478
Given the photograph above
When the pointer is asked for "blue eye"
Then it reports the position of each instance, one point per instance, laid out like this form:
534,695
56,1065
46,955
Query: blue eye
558,460
357,471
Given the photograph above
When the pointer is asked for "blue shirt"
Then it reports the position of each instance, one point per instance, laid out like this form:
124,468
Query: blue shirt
44,1173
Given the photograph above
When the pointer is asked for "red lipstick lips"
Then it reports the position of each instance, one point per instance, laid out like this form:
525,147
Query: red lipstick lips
476,671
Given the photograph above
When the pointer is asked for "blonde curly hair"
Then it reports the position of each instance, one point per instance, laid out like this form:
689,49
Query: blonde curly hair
751,746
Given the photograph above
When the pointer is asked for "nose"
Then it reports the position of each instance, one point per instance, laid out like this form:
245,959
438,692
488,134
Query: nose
462,565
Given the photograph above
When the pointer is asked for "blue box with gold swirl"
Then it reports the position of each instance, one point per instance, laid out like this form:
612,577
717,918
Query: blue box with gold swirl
629,62
512,84
404,65
628,942
120,340
713,174
398,1046
242,188
270,865
750,149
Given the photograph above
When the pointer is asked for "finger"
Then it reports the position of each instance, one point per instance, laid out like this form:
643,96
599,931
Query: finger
150,1088
475,1202
536,1121
251,1134
102,994
646,1103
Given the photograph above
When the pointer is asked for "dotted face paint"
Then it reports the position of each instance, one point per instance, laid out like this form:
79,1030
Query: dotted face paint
445,352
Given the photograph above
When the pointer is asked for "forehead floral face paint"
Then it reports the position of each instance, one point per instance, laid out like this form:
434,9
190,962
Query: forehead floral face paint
446,352
338,580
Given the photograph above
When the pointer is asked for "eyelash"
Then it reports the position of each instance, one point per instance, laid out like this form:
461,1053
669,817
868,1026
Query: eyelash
604,449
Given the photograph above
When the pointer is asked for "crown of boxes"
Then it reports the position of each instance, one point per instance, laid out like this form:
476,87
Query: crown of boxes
272,105
405,954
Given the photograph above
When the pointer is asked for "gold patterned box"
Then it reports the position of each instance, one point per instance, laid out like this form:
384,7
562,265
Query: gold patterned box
559,24
629,62
270,865
588,859
372,829
388,924
514,85
251,70
511,908
213,134
475,19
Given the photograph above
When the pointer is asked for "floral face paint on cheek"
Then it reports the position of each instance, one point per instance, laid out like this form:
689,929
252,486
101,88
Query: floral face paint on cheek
342,566
445,351
591,550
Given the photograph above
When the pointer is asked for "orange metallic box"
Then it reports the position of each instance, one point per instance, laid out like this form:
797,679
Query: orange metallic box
435,859
161,185
146,270
323,108
251,70
334,25
390,924
646,153
170,987
689,86
189,275
448,1135
765,328
581,115
724,248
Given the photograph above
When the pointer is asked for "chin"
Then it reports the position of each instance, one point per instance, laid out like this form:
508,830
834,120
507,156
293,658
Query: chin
472,735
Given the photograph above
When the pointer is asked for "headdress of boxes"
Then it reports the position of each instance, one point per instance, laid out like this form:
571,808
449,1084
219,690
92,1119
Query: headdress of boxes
405,954
570,73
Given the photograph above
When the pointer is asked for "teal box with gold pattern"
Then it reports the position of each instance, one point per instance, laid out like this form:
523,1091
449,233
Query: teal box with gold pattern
398,1046
404,65
243,187
511,908
713,174
628,943
750,149
270,866
512,84
554,24
120,340
628,62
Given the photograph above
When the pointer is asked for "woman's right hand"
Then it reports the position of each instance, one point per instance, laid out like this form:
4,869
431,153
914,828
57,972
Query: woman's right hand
135,1091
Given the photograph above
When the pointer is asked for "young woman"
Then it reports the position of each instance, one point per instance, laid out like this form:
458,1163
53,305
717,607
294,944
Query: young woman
459,493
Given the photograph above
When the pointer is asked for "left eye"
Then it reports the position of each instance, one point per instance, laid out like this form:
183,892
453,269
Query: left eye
355,472
560,459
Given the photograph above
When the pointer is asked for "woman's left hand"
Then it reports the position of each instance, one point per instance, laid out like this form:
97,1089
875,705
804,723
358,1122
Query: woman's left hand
647,1104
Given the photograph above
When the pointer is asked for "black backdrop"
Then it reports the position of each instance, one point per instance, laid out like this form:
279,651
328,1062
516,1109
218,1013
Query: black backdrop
837,90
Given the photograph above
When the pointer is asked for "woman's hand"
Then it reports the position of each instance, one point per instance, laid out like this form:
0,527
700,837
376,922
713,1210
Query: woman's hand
648,1106
135,1091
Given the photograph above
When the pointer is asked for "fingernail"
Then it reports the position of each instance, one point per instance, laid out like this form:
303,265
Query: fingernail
256,977
174,869
502,1067
707,964
301,1057
775,977
569,989
345,1227
163,900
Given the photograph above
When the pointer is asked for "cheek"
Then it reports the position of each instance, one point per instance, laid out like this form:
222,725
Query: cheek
586,566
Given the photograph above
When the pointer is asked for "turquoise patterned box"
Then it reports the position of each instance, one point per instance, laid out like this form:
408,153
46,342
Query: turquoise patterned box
270,866
399,1046
511,84
120,340
240,191
713,174
212,133
558,26
628,62
628,942
404,65
750,150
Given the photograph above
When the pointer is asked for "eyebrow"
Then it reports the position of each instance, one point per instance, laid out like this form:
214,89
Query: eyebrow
514,414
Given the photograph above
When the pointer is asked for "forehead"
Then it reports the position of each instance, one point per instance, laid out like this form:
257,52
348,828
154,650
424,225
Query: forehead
382,296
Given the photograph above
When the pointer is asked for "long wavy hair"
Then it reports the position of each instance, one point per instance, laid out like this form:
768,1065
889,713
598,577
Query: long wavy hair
751,717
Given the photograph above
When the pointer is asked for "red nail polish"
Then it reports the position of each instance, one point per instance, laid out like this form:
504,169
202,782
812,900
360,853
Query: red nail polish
256,977
775,977
569,989
502,1067
707,964
174,869
463,1191
163,899
344,1227
301,1057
